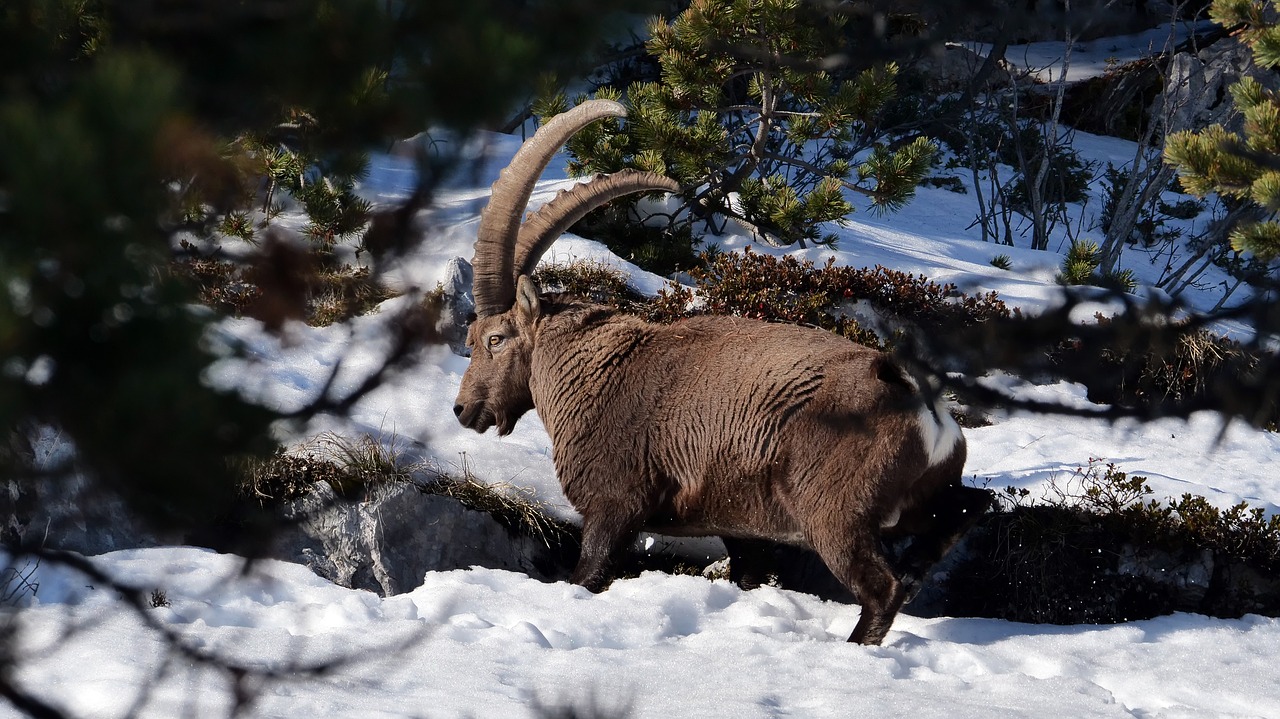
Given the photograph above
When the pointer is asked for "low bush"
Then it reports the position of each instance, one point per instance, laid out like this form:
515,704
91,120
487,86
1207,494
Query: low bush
319,294
785,289
349,465
1080,267
513,507
1100,550
593,280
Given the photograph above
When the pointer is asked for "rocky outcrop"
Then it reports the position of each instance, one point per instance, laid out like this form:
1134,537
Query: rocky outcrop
952,68
51,504
1049,564
459,306
1187,90
1197,89
388,542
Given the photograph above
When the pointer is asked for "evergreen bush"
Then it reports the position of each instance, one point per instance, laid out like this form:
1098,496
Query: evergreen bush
1241,167
1080,267
749,120
751,284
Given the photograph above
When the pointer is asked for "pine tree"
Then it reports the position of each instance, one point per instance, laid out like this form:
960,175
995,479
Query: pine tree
1246,166
754,102
125,125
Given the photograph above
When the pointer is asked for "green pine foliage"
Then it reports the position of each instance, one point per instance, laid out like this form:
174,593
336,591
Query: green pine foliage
754,117
126,128
1082,260
1080,267
1243,167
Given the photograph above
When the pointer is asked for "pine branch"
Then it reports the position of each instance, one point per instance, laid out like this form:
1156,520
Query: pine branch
797,162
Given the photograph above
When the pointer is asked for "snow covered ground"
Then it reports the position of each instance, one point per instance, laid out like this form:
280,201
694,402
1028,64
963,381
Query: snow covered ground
1090,58
488,643
485,643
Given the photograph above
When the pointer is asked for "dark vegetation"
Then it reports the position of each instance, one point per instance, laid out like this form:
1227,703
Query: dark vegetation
326,294
1102,551
130,127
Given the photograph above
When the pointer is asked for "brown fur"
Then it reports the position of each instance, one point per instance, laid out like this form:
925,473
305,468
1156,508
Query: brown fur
724,426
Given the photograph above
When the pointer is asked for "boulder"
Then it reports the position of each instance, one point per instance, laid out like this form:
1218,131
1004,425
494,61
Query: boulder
459,306
60,508
1197,86
388,542
951,67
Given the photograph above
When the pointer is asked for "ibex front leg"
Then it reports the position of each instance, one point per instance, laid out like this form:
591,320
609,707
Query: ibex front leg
604,533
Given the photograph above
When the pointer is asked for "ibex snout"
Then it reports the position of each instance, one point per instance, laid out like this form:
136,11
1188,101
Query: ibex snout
473,415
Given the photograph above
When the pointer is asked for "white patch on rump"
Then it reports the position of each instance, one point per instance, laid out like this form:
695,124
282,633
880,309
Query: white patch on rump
939,432
891,519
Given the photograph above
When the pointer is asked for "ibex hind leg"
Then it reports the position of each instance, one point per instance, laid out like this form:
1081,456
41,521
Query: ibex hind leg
750,561
855,558
935,527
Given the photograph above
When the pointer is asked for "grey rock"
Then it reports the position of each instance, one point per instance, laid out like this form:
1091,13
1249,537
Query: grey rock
60,508
1197,89
459,305
387,543
951,67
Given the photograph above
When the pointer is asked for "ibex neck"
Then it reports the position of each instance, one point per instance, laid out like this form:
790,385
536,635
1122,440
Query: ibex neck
580,351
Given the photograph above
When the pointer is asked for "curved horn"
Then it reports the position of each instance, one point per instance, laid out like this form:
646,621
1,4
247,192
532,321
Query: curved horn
554,218
494,288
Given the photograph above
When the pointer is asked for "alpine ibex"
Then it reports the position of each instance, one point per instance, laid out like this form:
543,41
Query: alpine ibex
725,426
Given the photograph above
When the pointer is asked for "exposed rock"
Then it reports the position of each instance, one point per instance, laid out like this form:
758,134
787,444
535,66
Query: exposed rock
70,513
952,67
1115,103
1050,564
387,543
1198,85
459,306
59,508
1191,88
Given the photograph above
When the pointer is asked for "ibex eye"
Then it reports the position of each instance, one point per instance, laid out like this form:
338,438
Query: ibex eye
495,340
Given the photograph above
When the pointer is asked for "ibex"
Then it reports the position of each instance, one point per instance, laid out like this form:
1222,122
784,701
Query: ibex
746,430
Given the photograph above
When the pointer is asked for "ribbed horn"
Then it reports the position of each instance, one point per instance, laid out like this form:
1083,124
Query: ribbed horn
569,206
494,288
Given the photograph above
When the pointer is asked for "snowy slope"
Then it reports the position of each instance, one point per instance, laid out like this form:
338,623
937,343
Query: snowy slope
489,643
485,643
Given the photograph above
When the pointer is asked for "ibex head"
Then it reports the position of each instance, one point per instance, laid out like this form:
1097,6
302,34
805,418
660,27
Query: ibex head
495,388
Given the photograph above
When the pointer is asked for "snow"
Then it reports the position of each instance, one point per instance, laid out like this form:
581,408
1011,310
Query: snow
483,642
491,643
1085,59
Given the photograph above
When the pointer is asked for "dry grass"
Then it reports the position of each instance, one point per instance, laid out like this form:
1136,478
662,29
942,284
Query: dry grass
355,465
514,507
586,278
349,465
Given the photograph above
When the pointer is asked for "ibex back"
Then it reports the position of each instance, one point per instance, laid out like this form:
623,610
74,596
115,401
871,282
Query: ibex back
711,426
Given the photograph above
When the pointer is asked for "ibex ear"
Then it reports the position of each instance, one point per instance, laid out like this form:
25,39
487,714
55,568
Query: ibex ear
528,306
